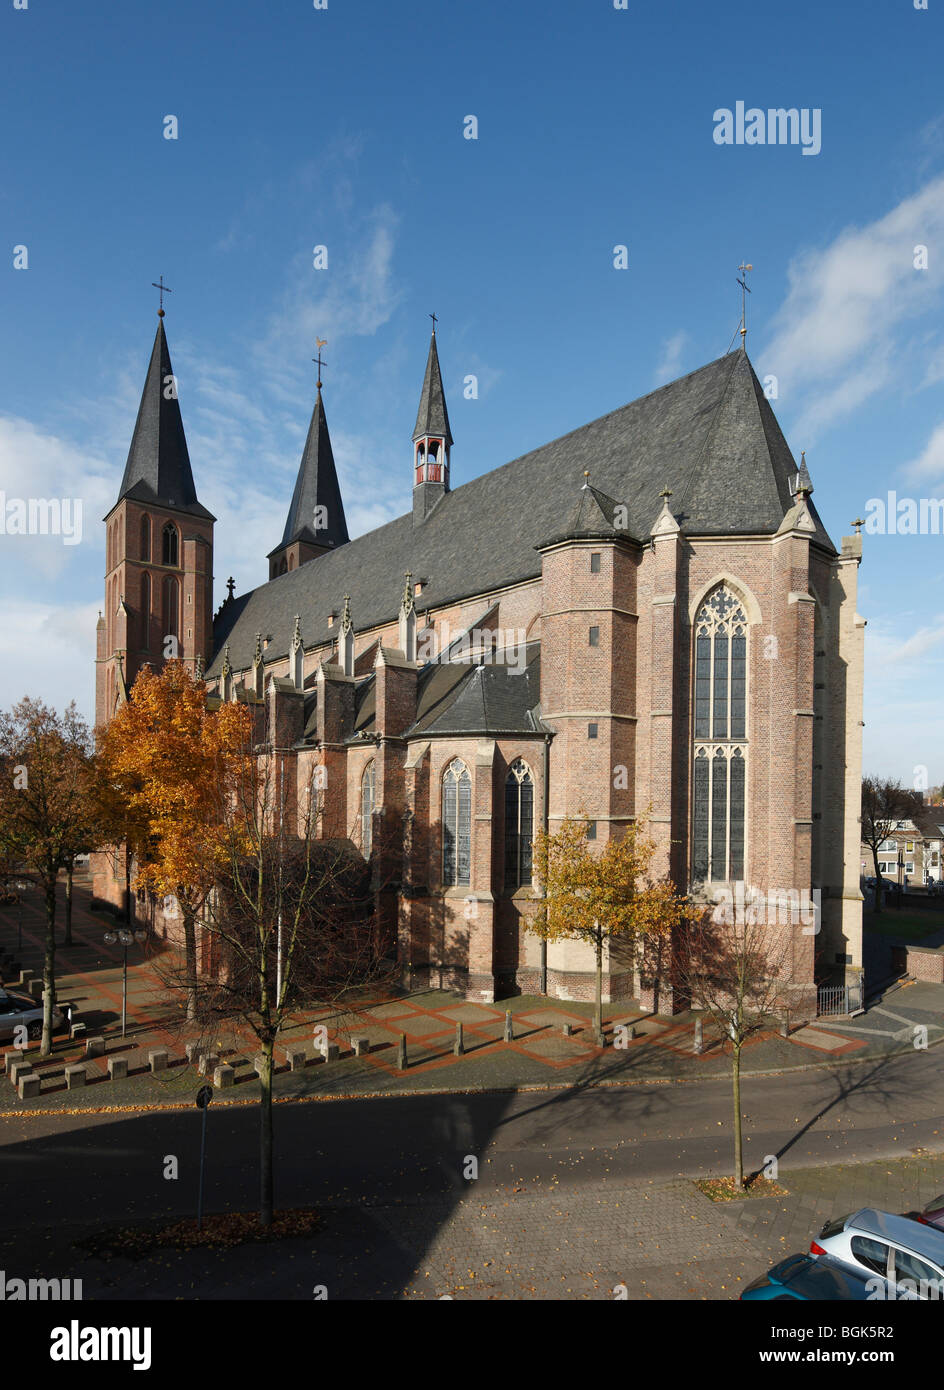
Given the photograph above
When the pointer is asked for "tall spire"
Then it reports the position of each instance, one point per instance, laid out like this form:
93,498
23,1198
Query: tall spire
432,440
158,467
432,418
315,521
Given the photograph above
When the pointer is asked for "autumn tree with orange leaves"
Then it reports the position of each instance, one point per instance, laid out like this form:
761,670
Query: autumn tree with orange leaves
170,758
602,895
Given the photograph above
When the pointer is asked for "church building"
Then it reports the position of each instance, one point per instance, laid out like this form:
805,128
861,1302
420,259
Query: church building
645,618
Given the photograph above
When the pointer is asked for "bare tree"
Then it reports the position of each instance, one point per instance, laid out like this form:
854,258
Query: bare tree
735,966
884,804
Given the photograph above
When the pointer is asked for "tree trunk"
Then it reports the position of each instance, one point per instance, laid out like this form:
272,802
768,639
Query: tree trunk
67,939
738,1151
49,967
265,1136
190,960
599,999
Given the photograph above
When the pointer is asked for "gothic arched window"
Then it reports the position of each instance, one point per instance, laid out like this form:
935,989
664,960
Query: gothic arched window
145,538
367,809
169,545
171,608
145,611
519,825
719,776
457,824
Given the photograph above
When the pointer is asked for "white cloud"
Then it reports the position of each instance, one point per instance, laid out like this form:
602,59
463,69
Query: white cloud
672,349
930,462
47,651
837,334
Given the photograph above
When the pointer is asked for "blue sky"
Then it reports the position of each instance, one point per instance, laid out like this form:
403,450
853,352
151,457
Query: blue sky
344,127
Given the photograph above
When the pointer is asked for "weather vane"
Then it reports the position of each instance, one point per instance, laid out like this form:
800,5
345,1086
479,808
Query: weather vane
744,292
320,343
164,289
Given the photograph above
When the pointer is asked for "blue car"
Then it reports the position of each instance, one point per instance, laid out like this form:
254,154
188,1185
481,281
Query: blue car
804,1277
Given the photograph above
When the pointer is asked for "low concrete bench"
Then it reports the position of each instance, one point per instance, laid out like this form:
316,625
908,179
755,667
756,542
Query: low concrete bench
13,1055
194,1051
35,989
25,977
77,1031
297,1058
330,1051
95,1047
157,1059
75,1077
117,1068
361,1046
568,1030
208,1063
29,1085
19,1067
224,1076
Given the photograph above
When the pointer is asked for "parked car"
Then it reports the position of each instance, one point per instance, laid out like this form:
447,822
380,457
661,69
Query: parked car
933,1214
806,1277
17,1009
903,1251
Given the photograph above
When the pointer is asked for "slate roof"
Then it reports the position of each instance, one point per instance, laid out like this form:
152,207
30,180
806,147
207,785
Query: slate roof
710,436
316,486
432,416
158,467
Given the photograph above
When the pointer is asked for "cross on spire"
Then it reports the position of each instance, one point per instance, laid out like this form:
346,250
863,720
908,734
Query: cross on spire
858,524
320,343
745,291
435,321
164,289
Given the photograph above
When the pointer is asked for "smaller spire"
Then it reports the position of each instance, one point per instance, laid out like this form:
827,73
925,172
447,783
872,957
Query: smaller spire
803,485
347,621
407,601
257,654
297,634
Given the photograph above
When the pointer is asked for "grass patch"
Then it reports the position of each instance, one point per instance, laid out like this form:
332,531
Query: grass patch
220,1231
914,925
726,1189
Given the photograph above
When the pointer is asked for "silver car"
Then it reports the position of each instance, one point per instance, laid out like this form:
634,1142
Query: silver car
17,1010
907,1253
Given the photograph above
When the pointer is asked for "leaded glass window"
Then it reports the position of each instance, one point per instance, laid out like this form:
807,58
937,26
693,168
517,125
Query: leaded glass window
719,773
519,825
367,809
457,825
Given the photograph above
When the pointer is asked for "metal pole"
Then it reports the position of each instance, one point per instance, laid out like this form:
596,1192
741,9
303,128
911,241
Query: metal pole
124,993
203,1136
19,925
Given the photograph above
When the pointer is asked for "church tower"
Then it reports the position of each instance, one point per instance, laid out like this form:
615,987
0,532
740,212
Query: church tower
432,440
159,549
315,523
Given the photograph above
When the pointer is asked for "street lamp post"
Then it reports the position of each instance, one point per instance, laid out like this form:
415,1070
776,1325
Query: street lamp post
124,938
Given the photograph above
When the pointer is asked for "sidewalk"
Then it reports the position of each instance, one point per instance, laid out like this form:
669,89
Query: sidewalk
539,1055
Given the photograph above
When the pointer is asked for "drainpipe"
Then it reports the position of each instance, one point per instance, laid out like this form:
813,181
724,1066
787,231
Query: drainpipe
545,762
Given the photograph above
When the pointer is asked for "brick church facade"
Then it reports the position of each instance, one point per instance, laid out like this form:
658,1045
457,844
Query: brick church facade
644,618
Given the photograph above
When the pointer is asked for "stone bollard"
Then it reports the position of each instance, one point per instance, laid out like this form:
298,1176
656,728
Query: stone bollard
194,1051
29,1085
118,1068
35,989
698,1044
296,1058
77,1031
630,1031
568,1030
13,1055
95,1047
361,1046
458,1046
19,1067
25,977
207,1063
330,1051
509,1034
785,1028
75,1077
401,1053
224,1076
157,1059
258,1062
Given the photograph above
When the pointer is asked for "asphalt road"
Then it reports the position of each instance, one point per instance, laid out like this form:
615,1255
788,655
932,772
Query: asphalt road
362,1162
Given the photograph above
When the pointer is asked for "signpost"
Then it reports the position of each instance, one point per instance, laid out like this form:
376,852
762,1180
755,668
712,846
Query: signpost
204,1096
